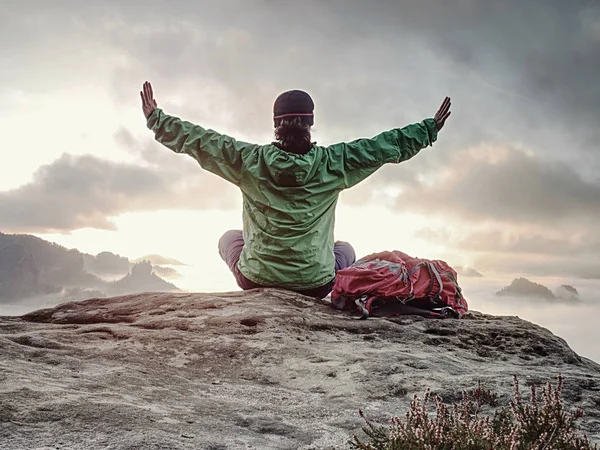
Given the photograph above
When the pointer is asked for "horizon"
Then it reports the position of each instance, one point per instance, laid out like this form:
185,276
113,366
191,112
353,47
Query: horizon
573,321
510,188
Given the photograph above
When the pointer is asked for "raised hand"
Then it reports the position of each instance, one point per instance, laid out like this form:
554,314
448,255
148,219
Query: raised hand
148,102
443,113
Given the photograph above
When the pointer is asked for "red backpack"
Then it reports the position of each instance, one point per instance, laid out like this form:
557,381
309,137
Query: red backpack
393,283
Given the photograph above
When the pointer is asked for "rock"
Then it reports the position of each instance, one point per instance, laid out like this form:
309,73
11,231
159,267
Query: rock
566,292
141,279
139,371
522,287
142,269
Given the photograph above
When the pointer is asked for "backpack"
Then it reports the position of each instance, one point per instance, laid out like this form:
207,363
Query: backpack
394,283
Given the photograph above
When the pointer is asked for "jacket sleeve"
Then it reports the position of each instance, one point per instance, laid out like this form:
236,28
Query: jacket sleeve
217,153
355,161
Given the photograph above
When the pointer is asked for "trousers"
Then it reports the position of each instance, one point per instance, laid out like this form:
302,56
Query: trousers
230,249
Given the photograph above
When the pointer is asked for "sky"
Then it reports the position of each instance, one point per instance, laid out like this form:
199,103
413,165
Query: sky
510,188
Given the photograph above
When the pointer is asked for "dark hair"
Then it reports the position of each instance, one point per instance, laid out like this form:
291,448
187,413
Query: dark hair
293,135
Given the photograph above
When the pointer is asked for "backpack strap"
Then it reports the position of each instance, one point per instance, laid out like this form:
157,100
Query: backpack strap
412,272
453,280
446,312
458,297
363,303
397,308
406,280
435,276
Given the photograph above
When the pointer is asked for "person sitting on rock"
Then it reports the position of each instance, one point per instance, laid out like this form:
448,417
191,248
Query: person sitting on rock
290,188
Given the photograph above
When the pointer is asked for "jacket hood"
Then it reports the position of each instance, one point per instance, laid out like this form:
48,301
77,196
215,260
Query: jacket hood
291,169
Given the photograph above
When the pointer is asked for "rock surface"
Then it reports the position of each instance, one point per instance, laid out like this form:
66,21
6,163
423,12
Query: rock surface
264,369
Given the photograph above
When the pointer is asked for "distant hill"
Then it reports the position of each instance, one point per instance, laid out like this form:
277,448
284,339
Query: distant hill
467,272
522,287
106,264
31,267
159,260
566,292
166,272
141,279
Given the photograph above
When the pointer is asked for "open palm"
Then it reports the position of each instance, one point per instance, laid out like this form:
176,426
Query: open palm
443,113
148,102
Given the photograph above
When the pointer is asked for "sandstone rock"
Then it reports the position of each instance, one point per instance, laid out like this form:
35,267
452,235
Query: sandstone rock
264,369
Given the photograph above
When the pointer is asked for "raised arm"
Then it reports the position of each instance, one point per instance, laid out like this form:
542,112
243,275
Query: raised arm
357,160
217,153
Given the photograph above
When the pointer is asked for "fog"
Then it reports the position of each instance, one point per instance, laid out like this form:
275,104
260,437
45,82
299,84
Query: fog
573,321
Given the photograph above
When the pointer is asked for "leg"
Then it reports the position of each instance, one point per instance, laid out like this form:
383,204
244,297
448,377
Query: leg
230,249
344,255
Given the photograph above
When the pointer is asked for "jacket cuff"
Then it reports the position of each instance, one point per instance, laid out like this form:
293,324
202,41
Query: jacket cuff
152,120
432,129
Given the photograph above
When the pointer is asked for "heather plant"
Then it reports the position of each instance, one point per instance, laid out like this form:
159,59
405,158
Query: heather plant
541,423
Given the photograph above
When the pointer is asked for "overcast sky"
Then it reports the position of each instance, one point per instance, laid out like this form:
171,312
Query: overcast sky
511,186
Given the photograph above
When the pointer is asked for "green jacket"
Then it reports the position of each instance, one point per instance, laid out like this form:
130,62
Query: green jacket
289,200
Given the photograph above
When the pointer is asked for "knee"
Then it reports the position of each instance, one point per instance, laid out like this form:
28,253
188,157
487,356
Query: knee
228,238
347,250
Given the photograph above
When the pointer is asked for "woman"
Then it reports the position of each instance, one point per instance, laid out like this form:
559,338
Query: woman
290,188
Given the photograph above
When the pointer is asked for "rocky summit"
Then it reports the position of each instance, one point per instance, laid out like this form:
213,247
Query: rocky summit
262,369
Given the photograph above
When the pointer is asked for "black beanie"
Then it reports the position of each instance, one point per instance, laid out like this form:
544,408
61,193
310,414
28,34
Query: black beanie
294,104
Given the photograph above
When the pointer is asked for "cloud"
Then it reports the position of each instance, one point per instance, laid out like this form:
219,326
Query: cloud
150,153
516,213
76,192
507,185
566,252
379,65
556,266
386,64
368,64
516,241
521,74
